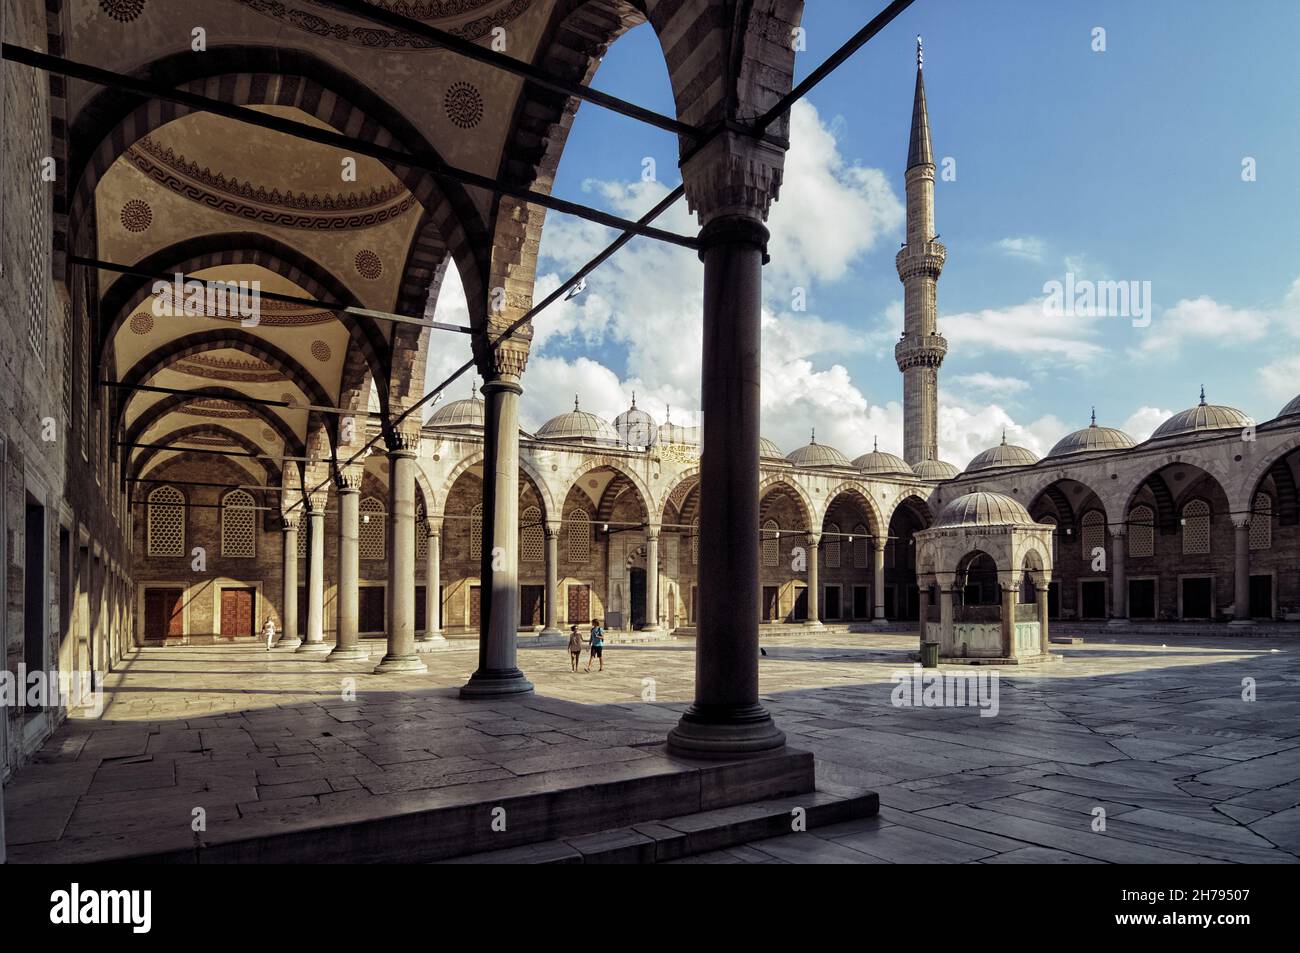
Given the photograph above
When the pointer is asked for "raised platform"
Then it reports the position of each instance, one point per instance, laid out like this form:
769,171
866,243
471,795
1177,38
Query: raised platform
772,630
1260,629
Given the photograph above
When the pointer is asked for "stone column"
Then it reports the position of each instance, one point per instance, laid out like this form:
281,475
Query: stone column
552,532
652,579
814,582
1241,571
315,639
947,637
347,647
1118,577
399,592
878,578
1041,592
289,608
498,672
432,636
1009,619
730,182
923,603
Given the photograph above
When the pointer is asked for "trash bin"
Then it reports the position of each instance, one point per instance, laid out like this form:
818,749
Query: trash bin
929,654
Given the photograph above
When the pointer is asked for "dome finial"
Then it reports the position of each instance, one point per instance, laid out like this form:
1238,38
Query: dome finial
875,444
473,388
1094,417
920,53
668,413
1202,395
575,403
1004,436
634,400
814,436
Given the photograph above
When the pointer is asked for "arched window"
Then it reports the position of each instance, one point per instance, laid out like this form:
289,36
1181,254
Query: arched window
238,525
831,545
1052,522
695,540
371,531
578,539
530,535
1092,533
166,525
860,542
476,532
1261,522
1196,527
771,544
1141,531
421,533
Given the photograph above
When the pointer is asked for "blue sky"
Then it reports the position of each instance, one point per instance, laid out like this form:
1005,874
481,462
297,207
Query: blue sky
1117,165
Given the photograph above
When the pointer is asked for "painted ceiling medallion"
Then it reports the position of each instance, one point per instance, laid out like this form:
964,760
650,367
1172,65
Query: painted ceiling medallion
215,408
368,264
320,350
476,18
463,105
268,433
124,11
136,215
141,322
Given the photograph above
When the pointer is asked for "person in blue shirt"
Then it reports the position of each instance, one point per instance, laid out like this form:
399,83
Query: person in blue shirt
597,645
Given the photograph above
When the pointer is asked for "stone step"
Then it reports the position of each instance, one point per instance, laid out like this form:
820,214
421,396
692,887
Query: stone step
655,842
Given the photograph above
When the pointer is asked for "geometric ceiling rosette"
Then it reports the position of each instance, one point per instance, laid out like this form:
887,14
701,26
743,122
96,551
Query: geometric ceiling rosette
136,215
463,104
467,19
123,11
368,264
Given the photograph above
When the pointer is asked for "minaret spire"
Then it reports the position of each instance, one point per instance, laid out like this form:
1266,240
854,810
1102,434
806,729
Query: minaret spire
922,348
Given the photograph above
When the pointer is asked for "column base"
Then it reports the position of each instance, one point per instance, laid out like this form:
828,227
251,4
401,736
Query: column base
494,683
1119,623
1242,622
401,665
287,643
313,647
725,732
550,634
354,654
432,643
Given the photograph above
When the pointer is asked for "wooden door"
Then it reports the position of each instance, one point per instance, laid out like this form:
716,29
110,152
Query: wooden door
475,606
420,603
579,605
370,609
164,615
771,600
532,602
237,613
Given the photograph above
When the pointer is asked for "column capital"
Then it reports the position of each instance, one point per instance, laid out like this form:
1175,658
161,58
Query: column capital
652,530
1241,521
878,543
811,538
288,523
1119,530
402,442
347,479
551,529
733,174
504,361
433,526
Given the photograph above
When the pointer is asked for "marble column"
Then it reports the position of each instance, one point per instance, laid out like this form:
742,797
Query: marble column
289,607
814,582
498,671
1241,571
878,578
923,604
1118,577
652,579
1009,619
726,719
399,592
947,637
315,638
347,647
552,580
1041,592
432,636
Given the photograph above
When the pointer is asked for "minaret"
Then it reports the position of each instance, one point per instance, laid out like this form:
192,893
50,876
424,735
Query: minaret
922,348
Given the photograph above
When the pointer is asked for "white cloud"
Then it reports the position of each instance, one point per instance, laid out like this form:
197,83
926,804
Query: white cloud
1202,319
1028,331
1026,247
967,429
1281,376
1143,422
990,384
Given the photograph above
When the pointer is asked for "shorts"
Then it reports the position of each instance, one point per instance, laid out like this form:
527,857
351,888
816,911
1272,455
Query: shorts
596,651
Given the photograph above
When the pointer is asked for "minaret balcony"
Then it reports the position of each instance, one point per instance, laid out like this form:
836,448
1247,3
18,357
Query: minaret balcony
920,258
917,351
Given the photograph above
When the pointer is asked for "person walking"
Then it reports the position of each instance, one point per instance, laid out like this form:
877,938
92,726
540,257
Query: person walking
597,645
575,646
268,632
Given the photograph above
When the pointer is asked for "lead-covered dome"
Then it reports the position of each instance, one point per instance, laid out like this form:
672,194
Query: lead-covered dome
635,427
460,414
579,426
817,455
935,470
983,509
882,462
1091,439
768,450
1003,455
1202,418
1291,408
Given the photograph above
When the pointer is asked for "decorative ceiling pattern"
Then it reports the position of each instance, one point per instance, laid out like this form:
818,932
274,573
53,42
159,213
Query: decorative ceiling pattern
476,18
463,104
224,409
256,203
124,11
272,313
228,369
136,215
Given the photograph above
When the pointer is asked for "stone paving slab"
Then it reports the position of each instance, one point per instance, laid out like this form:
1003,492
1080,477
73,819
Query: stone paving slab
1155,733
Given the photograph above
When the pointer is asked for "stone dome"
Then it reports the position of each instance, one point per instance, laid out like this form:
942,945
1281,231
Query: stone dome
1003,455
817,455
580,426
768,450
1291,408
670,432
1201,418
983,509
635,427
460,413
1090,439
880,461
935,470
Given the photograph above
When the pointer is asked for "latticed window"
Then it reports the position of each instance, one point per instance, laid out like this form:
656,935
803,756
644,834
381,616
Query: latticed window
1196,527
38,245
68,371
1261,522
302,538
860,542
1052,522
371,530
1092,532
578,539
476,532
531,542
421,534
166,523
1141,531
238,525
831,546
695,540
771,544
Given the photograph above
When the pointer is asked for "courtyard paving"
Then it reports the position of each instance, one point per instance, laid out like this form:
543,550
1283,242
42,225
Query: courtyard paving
1128,751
